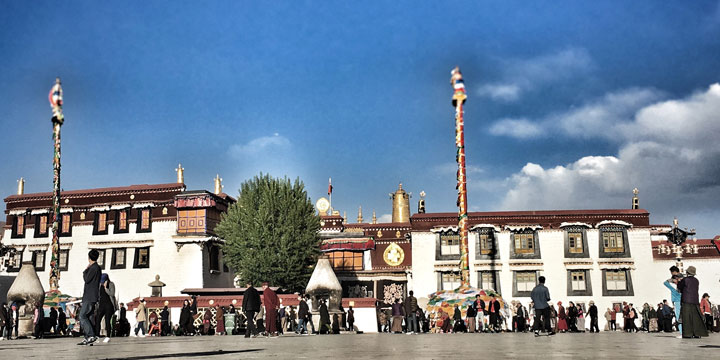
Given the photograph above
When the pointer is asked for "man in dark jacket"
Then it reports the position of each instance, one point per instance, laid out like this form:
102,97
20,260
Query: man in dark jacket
411,308
593,313
540,296
303,312
4,322
251,305
91,294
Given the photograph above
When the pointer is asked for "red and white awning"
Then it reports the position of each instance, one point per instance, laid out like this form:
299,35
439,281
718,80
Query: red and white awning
347,244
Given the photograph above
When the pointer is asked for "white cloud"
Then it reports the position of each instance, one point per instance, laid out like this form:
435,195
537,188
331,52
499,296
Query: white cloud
385,218
261,144
521,75
669,150
606,117
517,128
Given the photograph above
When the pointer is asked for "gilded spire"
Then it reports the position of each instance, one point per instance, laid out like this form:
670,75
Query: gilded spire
180,174
401,205
635,199
21,186
359,218
218,184
374,218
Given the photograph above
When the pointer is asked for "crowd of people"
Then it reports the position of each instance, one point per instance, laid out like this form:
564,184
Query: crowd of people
101,315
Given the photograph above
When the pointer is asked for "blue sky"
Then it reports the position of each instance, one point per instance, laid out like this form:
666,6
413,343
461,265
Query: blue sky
571,105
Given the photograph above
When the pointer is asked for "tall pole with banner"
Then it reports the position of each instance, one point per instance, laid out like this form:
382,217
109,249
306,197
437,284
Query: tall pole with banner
56,101
458,100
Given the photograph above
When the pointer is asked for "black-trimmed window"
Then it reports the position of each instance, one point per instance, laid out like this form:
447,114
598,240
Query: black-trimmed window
576,242
617,282
144,220
613,241
489,280
524,282
447,246
101,258
524,245
486,244
119,257
214,258
65,224
121,222
15,261
225,267
42,225
142,258
18,227
100,223
579,283
38,259
63,260
449,280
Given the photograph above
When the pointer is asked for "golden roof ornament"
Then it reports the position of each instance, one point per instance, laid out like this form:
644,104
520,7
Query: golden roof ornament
401,205
180,174
360,217
21,186
374,218
218,184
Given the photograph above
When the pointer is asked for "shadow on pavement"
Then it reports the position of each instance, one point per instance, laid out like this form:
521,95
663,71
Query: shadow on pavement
185,354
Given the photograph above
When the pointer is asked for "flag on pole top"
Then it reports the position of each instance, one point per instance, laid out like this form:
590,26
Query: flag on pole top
330,187
56,94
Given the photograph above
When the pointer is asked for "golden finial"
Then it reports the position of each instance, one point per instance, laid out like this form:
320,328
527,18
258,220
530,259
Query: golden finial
635,199
374,218
218,184
359,218
180,174
21,186
345,217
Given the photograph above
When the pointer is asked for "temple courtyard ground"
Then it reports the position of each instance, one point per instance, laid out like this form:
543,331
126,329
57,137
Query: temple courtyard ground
375,346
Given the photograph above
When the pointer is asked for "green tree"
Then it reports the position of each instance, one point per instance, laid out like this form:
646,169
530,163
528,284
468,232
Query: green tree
271,233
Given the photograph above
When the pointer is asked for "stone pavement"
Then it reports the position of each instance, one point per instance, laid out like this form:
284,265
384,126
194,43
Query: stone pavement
374,346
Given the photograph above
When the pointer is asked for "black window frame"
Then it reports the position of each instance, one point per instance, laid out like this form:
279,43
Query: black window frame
626,246
102,253
18,263
67,259
536,246
136,261
138,225
60,225
34,259
494,253
496,278
36,232
438,247
588,283
440,280
113,262
96,223
116,229
516,292
14,233
214,258
583,232
629,291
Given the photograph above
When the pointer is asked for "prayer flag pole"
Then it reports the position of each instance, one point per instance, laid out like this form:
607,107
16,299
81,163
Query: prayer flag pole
458,99
56,100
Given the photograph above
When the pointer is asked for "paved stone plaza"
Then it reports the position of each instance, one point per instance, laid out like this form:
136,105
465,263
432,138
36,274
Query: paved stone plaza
373,346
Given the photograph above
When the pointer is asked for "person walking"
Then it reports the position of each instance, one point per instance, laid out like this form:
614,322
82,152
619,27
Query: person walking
251,305
593,314
580,318
706,309
562,325
324,327
52,320
302,316
106,306
398,312
91,295
540,296
38,320
471,317
165,322
272,304
13,317
219,320
351,318
186,320
520,318
692,319
140,318
4,322
411,307
494,310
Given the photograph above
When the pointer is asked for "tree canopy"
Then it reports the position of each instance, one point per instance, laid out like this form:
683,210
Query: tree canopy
271,233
